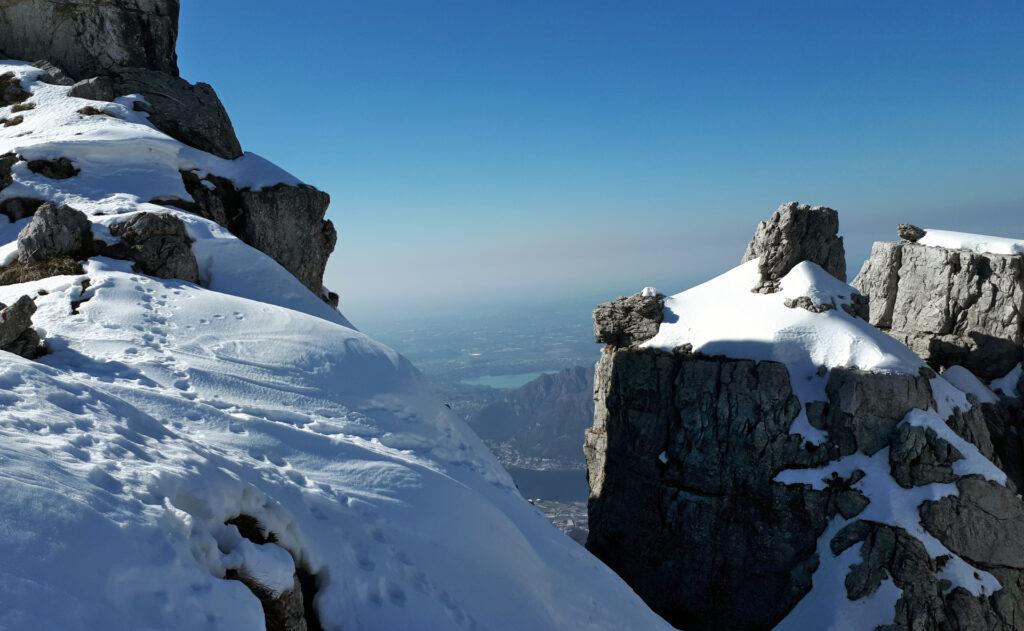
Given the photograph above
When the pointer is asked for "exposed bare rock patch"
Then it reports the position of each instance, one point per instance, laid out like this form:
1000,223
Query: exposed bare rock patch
292,610
58,169
159,245
796,233
16,333
54,232
627,321
88,37
11,91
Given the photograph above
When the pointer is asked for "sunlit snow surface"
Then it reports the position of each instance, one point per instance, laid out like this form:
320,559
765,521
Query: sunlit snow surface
975,242
164,409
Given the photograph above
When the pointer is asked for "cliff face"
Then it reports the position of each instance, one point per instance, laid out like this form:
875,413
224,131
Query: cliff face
766,461
951,306
87,37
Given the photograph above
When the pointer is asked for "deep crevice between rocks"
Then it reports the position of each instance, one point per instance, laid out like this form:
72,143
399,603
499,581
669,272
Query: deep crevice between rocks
250,528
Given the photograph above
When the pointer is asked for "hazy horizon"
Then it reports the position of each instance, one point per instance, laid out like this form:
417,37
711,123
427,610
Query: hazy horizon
493,154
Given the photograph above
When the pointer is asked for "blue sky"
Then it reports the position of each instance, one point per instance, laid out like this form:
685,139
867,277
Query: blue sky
494,152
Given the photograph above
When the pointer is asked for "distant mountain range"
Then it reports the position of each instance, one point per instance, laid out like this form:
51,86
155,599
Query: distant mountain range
540,425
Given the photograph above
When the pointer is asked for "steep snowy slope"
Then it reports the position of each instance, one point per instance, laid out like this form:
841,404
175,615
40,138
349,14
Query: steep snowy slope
165,409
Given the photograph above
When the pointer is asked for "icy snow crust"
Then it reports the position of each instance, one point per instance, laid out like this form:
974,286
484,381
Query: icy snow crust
724,317
165,409
983,244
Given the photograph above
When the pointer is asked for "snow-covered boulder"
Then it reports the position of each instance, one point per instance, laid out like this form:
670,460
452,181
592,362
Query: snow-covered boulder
757,466
955,299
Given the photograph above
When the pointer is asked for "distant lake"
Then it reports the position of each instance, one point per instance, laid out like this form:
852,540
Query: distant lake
558,486
503,382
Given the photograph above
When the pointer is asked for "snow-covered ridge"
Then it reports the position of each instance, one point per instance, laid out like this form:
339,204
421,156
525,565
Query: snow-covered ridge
165,409
724,317
980,243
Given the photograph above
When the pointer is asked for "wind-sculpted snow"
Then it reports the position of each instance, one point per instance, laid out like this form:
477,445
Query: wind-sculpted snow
165,409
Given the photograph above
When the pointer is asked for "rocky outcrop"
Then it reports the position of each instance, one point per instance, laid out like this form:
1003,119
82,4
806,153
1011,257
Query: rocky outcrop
694,503
285,222
630,320
11,91
951,307
159,245
54,231
94,89
682,460
190,113
88,37
57,169
796,233
16,333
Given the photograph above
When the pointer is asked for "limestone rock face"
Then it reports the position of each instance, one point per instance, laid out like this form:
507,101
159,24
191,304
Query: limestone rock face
159,245
190,113
285,222
88,37
951,307
682,503
796,233
682,460
706,498
54,231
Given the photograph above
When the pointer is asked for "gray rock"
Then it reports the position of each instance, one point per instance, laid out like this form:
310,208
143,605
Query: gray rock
52,74
257,217
54,231
7,161
796,233
865,407
11,91
190,113
159,245
981,524
29,345
94,89
910,232
59,169
89,37
949,306
630,320
918,456
804,302
287,223
15,320
17,208
703,534
926,602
